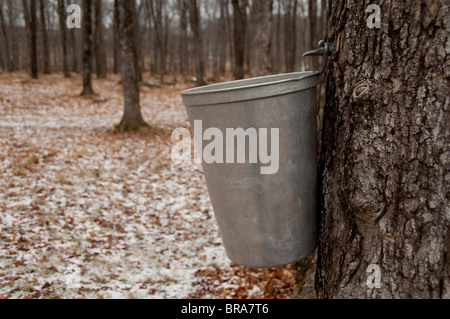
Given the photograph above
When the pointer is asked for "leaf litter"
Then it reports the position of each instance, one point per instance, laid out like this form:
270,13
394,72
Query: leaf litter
89,213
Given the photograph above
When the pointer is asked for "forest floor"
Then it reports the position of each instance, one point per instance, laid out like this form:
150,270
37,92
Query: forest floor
86,212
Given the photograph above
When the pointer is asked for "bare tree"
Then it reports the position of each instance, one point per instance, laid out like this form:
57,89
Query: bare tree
45,44
155,10
260,43
100,55
385,154
240,31
63,32
31,22
132,118
87,48
194,14
183,43
290,34
6,40
116,39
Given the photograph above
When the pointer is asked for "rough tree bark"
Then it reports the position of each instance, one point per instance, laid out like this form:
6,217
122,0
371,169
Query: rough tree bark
132,118
260,43
87,48
385,154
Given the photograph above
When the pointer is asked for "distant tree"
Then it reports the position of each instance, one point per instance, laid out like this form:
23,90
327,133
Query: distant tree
63,32
155,10
240,31
87,48
116,40
194,14
100,55
45,44
8,62
132,118
183,44
260,42
290,33
31,22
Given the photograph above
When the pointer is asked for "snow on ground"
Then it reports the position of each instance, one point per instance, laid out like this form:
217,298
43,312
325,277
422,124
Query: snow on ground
89,213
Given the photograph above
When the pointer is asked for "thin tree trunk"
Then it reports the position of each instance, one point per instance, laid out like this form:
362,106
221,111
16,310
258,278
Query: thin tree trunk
74,47
155,8
312,15
278,62
31,22
290,39
45,45
100,55
183,45
62,30
5,36
260,42
385,154
223,39
116,40
13,36
240,28
87,48
135,38
132,118
198,42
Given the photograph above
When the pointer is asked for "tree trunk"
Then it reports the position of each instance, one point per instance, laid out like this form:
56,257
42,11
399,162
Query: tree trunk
223,39
183,45
135,39
290,36
260,42
116,40
87,48
8,62
198,42
385,155
132,118
74,47
46,56
62,29
31,22
312,15
100,55
240,26
155,8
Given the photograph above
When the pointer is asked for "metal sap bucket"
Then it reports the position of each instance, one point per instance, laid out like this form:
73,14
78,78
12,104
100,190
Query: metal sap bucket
264,220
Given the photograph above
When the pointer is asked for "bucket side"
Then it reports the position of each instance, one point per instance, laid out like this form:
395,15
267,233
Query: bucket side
266,220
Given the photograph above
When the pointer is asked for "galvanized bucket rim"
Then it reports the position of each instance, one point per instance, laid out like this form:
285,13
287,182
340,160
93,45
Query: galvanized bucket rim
208,89
250,89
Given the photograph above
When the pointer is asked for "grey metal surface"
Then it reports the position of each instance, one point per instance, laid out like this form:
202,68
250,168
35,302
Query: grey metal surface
264,220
